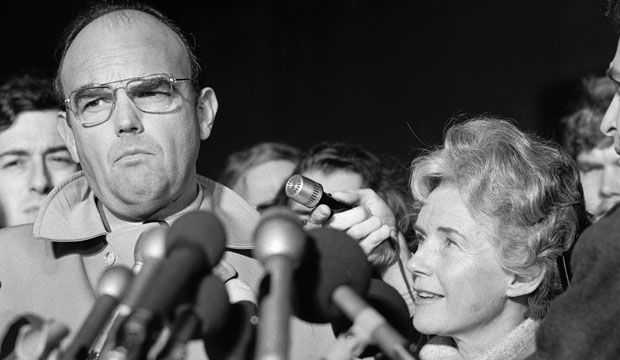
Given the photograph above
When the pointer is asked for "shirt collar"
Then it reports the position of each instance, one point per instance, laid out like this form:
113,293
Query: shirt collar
70,213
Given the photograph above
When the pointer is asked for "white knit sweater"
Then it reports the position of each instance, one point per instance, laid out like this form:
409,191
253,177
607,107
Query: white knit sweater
518,345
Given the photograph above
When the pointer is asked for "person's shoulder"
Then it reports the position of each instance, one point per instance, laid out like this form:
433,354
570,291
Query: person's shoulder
18,242
607,229
223,196
17,236
238,216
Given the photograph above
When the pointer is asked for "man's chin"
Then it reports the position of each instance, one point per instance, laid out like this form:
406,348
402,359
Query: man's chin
138,200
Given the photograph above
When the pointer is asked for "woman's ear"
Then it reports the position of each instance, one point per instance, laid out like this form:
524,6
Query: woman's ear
525,284
206,109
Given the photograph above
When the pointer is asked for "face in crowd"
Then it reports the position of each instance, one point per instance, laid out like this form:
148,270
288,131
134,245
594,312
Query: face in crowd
599,169
461,287
260,185
33,159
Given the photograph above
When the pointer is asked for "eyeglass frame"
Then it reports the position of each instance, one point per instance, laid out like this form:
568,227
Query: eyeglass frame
67,101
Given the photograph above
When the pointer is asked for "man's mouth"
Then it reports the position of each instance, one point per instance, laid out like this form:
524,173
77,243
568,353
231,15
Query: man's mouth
131,155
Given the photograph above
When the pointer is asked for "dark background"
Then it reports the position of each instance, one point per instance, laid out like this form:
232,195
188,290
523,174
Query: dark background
387,74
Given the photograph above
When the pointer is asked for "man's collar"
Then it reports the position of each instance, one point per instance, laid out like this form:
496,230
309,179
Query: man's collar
70,213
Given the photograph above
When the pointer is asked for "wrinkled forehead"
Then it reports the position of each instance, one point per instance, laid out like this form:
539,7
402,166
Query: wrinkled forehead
122,45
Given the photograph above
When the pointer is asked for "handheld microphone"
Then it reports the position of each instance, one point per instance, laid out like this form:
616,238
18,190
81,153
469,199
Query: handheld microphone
189,257
336,275
310,194
279,243
111,286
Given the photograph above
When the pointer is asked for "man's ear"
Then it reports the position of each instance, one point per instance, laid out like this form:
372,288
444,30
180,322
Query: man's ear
206,109
66,133
525,284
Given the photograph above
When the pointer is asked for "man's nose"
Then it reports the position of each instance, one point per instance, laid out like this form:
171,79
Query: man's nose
609,123
40,179
126,116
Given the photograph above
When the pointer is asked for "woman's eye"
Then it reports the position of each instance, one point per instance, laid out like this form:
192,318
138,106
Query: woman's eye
451,243
417,239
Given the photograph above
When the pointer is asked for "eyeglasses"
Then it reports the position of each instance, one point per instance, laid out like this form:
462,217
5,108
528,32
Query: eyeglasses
154,94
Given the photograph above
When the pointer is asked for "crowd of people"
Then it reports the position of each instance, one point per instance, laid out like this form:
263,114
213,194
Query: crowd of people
498,244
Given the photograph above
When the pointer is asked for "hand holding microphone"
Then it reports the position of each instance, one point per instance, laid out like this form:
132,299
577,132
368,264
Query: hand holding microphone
311,194
371,222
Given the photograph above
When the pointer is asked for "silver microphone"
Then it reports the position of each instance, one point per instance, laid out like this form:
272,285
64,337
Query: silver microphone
311,194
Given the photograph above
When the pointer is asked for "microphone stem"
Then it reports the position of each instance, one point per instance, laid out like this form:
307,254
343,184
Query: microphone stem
366,318
275,310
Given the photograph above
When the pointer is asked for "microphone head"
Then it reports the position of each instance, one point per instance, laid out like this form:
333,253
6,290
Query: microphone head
391,305
199,230
151,246
211,305
332,259
114,281
279,232
303,190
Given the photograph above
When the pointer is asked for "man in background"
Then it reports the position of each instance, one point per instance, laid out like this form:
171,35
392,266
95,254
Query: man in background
33,157
582,323
599,165
258,172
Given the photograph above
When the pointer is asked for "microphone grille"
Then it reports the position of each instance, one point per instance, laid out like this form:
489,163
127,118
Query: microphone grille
294,185
303,190
114,281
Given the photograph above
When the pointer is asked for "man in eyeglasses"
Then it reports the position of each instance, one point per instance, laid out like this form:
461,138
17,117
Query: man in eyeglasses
134,119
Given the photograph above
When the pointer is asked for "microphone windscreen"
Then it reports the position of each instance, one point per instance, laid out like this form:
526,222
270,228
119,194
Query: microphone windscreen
390,304
150,246
202,318
236,341
202,229
279,232
332,259
211,305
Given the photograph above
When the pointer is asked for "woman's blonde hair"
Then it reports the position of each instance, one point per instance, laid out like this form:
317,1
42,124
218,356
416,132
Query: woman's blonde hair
528,188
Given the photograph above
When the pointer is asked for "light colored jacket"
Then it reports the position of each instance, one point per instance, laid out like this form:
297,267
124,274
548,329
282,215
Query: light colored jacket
51,268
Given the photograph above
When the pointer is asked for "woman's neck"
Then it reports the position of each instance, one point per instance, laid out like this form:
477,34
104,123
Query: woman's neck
474,343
